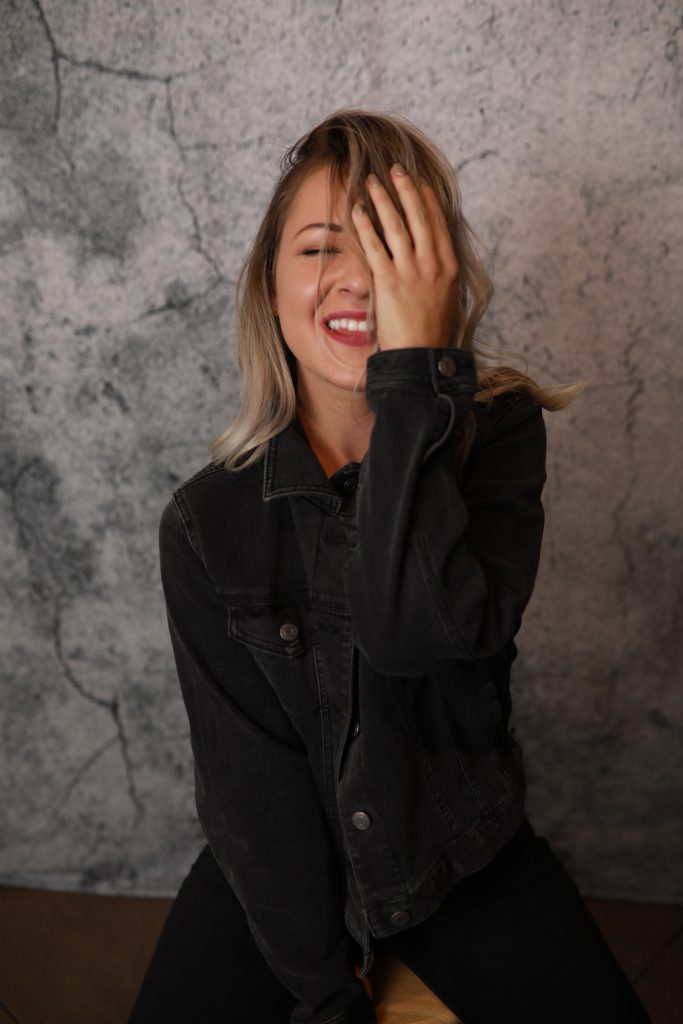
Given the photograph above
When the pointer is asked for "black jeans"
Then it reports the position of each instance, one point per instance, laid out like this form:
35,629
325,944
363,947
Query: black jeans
515,943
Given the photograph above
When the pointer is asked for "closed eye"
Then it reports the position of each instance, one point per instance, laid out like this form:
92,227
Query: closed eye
315,252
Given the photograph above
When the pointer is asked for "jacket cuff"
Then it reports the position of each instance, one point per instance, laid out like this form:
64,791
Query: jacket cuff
441,371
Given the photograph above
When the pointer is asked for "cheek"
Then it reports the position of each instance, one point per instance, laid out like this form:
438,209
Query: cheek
296,291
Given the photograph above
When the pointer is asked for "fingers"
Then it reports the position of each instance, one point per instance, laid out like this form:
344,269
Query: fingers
416,214
441,233
427,239
397,236
375,253
413,263
404,243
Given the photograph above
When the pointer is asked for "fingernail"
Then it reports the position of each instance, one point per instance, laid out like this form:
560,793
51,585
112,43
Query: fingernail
358,209
373,180
398,169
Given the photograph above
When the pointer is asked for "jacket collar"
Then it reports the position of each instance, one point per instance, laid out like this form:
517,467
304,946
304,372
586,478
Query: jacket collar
291,467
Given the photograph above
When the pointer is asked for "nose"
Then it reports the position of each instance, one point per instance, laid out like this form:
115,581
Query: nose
350,276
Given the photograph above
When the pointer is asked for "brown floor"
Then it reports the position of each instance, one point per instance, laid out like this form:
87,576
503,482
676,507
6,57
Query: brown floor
70,958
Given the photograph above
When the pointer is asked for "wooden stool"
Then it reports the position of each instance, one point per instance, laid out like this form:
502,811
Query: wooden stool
400,997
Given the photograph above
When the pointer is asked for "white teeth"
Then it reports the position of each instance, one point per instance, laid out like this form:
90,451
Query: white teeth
346,324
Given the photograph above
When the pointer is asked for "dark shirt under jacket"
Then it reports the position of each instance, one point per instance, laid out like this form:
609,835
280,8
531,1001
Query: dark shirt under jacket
343,646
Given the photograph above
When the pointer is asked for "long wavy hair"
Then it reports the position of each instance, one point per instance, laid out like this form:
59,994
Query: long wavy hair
352,144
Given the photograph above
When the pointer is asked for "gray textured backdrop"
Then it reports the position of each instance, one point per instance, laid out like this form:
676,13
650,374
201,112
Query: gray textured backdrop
139,143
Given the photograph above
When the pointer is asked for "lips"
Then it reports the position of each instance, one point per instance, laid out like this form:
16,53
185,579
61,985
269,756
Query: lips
344,326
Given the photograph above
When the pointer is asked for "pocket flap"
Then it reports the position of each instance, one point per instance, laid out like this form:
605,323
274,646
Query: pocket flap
276,628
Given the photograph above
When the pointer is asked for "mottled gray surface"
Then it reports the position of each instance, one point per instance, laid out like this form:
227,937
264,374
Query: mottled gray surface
138,145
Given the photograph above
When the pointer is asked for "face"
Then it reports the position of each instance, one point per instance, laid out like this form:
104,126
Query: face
321,304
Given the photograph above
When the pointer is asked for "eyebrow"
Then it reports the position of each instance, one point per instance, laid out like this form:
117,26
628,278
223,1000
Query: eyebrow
307,227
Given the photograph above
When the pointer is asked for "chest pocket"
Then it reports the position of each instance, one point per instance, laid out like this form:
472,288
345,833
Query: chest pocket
280,634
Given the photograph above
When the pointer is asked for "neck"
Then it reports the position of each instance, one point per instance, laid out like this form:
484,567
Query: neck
337,422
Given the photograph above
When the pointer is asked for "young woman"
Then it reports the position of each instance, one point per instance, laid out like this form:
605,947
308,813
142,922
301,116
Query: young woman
344,583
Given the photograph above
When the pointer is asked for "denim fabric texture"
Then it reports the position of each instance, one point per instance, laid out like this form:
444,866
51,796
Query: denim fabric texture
344,647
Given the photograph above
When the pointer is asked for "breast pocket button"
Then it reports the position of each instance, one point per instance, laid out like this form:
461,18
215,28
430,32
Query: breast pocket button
288,631
360,820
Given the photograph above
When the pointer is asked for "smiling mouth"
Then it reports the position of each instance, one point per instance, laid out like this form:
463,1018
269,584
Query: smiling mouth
348,330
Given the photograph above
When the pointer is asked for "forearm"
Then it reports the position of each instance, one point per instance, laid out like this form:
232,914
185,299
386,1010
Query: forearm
442,568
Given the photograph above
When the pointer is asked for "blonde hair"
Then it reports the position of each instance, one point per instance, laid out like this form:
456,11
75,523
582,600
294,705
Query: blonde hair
352,144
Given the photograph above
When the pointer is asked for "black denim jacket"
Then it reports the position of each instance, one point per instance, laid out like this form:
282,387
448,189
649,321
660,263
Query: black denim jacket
343,646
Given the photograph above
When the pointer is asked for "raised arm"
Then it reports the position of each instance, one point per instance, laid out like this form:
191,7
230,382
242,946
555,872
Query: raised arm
444,565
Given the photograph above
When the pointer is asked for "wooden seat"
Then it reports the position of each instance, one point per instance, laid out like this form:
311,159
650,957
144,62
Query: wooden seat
400,997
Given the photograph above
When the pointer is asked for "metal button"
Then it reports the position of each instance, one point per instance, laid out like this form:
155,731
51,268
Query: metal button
350,483
360,820
356,729
288,631
447,366
400,918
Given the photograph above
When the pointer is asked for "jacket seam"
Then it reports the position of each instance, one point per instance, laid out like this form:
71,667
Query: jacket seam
185,519
211,467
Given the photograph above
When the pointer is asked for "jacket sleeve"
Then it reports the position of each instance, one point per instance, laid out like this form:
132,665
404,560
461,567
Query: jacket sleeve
445,562
256,796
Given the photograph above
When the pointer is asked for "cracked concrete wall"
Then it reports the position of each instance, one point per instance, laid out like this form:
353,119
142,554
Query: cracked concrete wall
139,143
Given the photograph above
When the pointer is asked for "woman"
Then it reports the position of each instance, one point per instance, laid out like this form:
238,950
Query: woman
344,583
